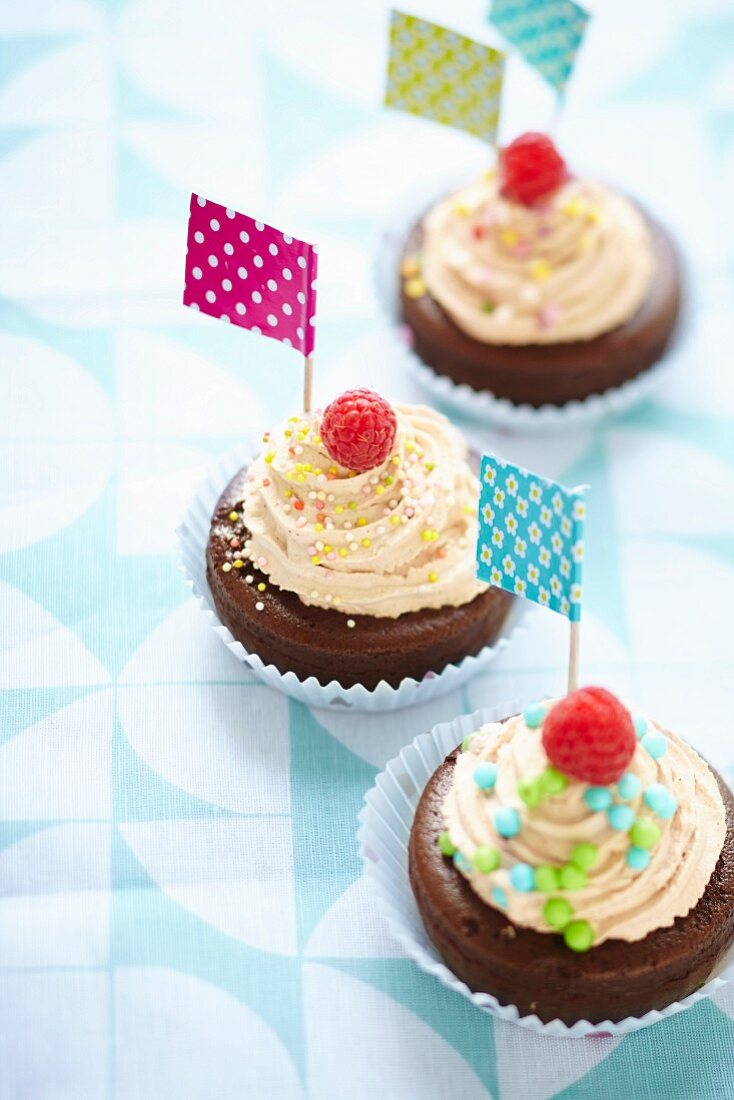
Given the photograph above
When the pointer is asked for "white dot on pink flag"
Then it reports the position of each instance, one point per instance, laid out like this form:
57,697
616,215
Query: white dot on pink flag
273,249
193,305
260,226
240,308
287,309
301,297
200,200
287,273
299,333
214,224
257,329
287,341
197,272
199,237
229,212
258,261
257,297
272,285
288,240
211,296
272,320
224,317
244,236
301,261
226,284
229,249
213,261
242,272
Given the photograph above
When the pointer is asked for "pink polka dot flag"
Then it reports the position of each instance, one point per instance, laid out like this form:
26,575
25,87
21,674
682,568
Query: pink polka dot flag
243,271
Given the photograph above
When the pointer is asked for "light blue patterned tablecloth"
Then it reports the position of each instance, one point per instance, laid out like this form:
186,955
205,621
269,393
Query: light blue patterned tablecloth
181,907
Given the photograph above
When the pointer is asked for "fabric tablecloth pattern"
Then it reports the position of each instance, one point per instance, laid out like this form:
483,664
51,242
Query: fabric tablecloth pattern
182,911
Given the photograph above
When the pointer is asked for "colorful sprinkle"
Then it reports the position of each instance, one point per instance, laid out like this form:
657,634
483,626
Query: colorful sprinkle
629,786
572,877
507,822
226,567
261,587
409,267
540,270
584,856
485,776
486,859
351,624
534,715
621,817
445,844
661,801
530,791
233,517
557,912
499,897
644,833
547,879
239,564
552,781
522,877
655,743
415,288
259,606
578,935
598,799
638,859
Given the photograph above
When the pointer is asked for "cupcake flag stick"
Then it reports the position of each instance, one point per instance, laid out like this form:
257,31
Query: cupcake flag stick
531,542
547,33
245,272
441,75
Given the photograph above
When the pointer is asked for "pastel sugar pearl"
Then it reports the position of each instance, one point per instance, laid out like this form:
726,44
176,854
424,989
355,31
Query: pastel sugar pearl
629,786
461,863
533,715
655,743
638,859
485,776
598,799
621,818
660,800
499,897
507,822
640,725
522,877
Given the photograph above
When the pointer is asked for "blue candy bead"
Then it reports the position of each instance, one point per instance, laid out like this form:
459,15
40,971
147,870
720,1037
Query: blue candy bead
534,715
621,818
522,877
507,822
655,743
640,725
499,897
461,863
629,786
660,800
598,798
638,859
485,776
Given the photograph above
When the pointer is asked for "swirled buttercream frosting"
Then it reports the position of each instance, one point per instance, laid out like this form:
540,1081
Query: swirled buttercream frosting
572,267
396,539
596,863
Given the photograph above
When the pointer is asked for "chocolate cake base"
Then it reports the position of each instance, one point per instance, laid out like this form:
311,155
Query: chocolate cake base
312,641
536,971
550,374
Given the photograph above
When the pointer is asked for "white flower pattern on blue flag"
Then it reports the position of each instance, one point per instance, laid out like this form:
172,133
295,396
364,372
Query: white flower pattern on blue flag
531,536
547,33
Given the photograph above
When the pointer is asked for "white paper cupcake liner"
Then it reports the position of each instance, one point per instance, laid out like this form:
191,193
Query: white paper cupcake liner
385,823
193,537
462,399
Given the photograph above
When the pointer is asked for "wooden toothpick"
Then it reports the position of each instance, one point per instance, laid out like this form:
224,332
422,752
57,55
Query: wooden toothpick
307,383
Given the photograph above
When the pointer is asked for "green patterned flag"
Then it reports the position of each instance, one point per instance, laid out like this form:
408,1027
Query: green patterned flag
547,32
441,75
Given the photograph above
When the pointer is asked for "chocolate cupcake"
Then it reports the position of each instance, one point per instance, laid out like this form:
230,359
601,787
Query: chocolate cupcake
577,862
538,286
345,551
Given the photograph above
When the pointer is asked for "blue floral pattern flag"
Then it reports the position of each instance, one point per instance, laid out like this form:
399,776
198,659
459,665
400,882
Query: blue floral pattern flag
531,536
547,32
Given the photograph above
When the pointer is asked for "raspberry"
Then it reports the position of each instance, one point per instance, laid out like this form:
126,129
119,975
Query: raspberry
590,736
358,429
530,168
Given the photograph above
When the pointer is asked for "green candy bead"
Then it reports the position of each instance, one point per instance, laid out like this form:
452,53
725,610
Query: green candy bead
578,935
584,856
644,833
444,843
546,879
552,781
531,792
486,859
466,742
557,912
572,877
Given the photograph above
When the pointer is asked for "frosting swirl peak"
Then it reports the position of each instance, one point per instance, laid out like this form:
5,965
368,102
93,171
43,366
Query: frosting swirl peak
395,539
577,265
621,860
